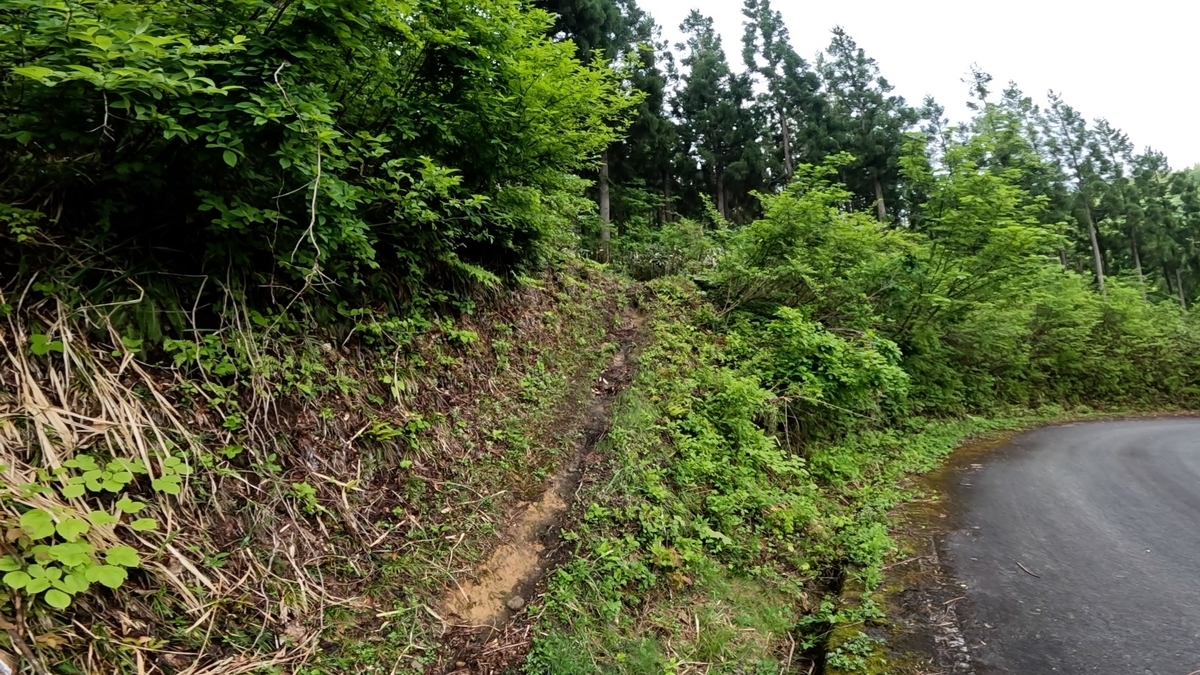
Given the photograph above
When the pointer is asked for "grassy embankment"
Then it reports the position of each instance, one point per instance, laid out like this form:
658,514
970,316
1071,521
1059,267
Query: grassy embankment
329,485
709,548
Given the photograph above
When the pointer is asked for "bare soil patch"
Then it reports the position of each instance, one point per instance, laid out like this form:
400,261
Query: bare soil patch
487,613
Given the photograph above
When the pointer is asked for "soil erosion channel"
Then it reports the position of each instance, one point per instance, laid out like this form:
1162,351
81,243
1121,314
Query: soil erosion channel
1077,549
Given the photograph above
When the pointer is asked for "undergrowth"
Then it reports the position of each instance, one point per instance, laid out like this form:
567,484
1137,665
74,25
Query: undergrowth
275,500
712,547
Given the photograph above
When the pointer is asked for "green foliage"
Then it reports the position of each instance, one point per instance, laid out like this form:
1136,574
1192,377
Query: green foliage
815,358
854,654
366,144
683,248
52,555
808,249
826,383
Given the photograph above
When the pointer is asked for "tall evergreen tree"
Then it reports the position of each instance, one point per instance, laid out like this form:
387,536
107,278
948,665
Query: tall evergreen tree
604,28
791,98
1118,215
717,129
868,121
1068,141
642,165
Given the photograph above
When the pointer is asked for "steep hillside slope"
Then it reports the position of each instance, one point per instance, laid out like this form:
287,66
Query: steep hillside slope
302,501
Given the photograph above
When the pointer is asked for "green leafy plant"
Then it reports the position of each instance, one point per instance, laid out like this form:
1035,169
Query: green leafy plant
54,559
56,565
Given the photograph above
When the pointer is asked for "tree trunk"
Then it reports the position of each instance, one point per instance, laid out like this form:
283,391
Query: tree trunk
1179,287
1137,262
880,207
787,145
605,209
1087,211
1062,258
666,197
721,195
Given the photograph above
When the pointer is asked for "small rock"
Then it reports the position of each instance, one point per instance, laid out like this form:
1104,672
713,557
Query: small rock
516,602
460,664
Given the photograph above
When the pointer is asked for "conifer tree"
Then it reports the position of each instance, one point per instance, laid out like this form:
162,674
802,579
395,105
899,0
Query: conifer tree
1068,138
868,121
718,133
790,100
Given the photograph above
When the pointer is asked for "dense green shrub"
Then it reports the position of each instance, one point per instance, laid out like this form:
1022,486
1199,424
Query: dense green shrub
826,383
349,144
851,322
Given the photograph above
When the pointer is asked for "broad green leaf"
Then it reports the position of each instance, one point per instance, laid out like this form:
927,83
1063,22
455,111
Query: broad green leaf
56,598
35,72
127,505
81,462
71,554
37,585
230,157
142,524
102,517
167,484
37,524
41,345
17,579
42,553
73,491
9,564
107,575
75,582
122,555
73,528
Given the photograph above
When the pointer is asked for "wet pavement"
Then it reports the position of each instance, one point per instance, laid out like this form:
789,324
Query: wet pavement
1077,549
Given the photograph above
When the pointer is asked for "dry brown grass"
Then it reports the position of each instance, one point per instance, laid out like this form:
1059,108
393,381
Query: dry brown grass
85,398
291,563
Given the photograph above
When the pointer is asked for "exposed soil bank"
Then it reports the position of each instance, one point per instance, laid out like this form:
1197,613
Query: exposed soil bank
487,617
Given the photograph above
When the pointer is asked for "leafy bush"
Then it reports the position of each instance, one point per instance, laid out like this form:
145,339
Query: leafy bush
826,382
363,146
681,247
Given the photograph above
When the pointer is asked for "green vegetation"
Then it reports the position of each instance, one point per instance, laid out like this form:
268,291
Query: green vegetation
300,302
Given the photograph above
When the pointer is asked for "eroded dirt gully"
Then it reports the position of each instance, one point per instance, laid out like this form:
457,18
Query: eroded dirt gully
487,613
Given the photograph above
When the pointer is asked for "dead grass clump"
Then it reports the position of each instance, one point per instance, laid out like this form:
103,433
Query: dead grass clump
63,398
324,489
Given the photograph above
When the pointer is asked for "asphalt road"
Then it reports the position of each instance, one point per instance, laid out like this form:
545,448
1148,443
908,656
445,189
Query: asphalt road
1107,515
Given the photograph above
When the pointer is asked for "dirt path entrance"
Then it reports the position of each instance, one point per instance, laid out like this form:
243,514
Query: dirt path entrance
488,628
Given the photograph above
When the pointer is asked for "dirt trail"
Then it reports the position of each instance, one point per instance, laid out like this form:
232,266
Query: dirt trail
481,609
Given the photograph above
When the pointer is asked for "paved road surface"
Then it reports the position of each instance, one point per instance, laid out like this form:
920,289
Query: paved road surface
1107,514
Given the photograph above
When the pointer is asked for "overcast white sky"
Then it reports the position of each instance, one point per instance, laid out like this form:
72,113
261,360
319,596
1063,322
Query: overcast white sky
1134,63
